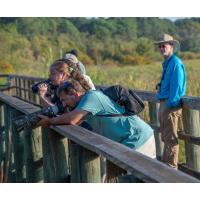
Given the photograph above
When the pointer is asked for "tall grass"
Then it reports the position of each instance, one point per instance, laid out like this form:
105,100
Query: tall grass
141,77
144,77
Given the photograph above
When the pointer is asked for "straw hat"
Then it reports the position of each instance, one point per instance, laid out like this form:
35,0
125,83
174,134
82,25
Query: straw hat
169,39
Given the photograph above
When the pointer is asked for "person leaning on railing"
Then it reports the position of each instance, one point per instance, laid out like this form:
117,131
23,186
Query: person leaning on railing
89,105
171,88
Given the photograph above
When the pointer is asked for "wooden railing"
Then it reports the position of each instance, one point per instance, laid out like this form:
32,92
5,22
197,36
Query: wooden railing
55,154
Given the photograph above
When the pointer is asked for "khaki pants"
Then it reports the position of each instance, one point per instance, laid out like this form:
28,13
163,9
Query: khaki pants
169,126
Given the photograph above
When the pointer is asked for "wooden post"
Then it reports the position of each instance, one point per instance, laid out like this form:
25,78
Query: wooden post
22,88
37,101
8,171
2,142
191,125
128,179
17,86
84,165
154,121
12,90
29,90
75,152
90,166
32,95
18,150
25,89
55,156
33,155
113,172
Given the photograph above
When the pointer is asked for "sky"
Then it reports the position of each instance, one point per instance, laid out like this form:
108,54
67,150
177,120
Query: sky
99,8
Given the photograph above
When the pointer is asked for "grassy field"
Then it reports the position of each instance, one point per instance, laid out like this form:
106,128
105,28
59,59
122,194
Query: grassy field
142,77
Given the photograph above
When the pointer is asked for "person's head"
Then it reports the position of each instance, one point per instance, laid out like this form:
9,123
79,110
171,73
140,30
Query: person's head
73,51
59,72
71,59
70,93
167,45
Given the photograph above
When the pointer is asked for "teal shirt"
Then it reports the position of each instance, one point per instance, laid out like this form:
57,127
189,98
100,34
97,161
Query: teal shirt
128,130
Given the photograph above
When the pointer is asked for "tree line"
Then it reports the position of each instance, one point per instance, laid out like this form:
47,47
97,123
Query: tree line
27,42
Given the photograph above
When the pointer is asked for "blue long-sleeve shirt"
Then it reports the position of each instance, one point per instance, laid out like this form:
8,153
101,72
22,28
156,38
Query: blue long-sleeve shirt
173,83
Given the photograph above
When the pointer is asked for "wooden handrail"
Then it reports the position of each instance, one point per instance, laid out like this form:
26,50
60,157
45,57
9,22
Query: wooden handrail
19,86
188,102
147,169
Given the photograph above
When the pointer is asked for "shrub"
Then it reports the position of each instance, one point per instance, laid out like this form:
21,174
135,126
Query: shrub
86,60
5,67
189,55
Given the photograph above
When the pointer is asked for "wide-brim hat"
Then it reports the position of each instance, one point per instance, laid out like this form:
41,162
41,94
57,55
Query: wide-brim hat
169,39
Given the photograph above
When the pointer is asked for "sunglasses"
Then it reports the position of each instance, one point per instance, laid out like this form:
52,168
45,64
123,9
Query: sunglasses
163,45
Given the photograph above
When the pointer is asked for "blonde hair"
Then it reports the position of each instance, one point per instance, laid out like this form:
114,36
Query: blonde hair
60,66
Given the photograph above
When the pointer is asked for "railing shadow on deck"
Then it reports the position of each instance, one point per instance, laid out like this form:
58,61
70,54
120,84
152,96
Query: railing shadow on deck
73,154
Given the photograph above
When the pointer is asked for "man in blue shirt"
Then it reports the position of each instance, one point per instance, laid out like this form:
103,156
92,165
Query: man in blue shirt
128,130
170,90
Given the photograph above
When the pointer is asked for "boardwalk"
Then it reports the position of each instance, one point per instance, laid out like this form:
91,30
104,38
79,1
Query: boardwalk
73,154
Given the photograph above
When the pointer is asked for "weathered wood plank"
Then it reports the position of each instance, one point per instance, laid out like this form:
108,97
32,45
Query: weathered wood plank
145,168
75,152
9,175
18,104
18,150
2,142
191,124
33,155
153,114
141,166
189,171
188,102
55,156
188,137
90,167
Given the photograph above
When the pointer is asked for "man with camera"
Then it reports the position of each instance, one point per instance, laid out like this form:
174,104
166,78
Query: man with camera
171,88
104,116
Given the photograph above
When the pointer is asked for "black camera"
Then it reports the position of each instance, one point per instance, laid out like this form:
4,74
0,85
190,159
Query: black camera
35,87
158,85
30,121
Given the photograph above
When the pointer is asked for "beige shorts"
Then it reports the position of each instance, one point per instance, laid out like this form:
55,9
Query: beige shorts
148,148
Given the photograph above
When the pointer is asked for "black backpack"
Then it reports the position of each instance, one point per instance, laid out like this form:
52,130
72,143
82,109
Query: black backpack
131,102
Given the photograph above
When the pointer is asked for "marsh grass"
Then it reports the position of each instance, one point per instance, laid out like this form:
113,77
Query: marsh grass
141,77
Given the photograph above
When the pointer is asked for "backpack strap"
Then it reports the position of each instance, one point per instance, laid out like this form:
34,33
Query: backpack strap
115,115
